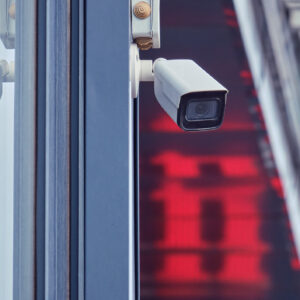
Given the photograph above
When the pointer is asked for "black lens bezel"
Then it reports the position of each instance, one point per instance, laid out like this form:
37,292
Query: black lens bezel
206,101
205,124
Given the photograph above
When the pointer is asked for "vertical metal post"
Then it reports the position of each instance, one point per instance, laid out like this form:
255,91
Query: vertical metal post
81,154
40,151
109,158
57,151
24,168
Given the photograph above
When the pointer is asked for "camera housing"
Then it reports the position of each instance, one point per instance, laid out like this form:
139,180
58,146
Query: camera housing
190,96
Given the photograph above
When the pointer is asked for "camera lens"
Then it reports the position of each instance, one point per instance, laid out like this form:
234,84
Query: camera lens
202,110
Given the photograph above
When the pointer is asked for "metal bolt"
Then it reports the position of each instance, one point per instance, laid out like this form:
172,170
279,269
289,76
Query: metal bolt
142,10
144,43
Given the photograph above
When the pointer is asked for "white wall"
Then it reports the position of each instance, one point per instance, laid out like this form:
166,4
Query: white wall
6,182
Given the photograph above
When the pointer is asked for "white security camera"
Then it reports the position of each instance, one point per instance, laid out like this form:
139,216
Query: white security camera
189,95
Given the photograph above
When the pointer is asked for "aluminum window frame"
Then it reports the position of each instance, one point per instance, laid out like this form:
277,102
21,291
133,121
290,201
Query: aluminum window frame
68,244
24,152
48,151
109,154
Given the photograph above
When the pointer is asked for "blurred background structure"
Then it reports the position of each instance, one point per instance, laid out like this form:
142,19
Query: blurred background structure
215,206
6,176
270,30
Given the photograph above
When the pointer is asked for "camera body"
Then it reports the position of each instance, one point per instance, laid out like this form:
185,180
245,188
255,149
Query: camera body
190,96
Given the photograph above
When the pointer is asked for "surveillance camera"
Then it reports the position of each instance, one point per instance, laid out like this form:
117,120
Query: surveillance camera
190,96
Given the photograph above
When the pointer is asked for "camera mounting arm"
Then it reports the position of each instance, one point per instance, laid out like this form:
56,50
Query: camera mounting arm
140,70
145,30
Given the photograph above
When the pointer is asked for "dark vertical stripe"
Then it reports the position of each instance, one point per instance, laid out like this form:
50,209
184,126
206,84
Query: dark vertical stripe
137,197
74,151
40,150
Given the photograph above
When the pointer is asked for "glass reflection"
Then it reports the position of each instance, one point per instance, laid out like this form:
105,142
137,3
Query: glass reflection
7,89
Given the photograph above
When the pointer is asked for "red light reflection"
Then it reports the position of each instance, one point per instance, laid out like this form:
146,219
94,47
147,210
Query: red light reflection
213,221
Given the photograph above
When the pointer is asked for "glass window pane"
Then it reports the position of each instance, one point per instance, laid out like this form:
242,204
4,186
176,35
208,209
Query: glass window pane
7,87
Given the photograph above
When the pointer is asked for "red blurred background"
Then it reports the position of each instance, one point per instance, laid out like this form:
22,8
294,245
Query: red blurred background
213,218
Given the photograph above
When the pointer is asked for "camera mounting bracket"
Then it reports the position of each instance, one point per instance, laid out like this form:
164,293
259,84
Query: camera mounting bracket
145,23
140,70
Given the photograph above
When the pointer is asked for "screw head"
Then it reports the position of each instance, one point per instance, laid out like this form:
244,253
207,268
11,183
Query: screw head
142,10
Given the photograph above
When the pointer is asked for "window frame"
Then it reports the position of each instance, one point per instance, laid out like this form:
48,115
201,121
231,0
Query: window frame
110,158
